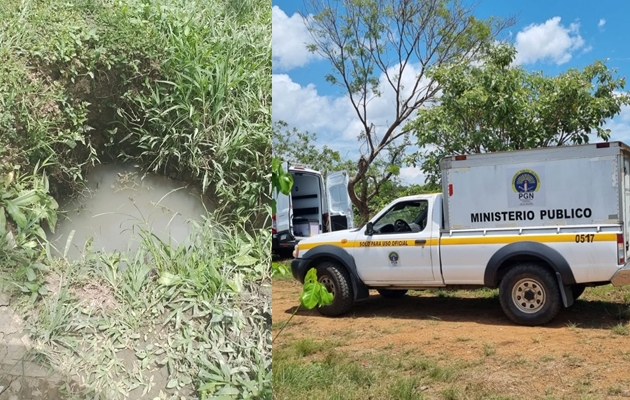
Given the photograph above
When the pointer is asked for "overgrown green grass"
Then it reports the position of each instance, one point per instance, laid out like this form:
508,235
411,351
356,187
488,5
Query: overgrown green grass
178,87
182,88
192,323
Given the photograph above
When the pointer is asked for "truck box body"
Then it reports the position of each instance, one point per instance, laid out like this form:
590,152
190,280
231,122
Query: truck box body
554,186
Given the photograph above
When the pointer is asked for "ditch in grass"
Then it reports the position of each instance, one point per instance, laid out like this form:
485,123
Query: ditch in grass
182,89
190,321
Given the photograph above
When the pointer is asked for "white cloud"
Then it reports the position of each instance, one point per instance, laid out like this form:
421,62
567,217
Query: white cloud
333,117
304,108
411,175
601,23
550,41
620,126
289,40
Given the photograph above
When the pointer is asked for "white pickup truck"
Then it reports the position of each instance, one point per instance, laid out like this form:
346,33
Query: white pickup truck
540,225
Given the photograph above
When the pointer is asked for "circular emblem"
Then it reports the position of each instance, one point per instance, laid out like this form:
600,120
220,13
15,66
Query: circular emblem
526,181
393,257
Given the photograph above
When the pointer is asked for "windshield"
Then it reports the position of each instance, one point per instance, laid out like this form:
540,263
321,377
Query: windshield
408,216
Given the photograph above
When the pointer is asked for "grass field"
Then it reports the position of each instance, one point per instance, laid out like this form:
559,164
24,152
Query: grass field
451,345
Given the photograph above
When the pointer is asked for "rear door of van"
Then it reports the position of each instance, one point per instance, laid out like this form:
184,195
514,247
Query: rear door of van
339,203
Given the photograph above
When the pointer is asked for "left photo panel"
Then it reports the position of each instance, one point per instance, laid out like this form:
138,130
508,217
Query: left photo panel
135,199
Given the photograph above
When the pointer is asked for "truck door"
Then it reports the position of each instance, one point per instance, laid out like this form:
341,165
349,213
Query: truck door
399,250
339,203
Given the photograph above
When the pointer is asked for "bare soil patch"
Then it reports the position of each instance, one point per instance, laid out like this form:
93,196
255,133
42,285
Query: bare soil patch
578,355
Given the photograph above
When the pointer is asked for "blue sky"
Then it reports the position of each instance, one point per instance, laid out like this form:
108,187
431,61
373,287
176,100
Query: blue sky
550,36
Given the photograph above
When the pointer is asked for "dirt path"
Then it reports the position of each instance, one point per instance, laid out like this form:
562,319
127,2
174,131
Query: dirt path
578,353
19,378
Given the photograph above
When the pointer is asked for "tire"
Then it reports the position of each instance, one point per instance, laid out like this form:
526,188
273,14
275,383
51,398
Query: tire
337,281
577,291
529,295
392,293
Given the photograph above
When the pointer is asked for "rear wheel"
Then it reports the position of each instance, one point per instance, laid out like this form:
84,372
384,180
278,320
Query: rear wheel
529,295
391,293
337,282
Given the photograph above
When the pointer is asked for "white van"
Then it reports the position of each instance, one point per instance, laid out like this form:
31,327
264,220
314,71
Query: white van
313,207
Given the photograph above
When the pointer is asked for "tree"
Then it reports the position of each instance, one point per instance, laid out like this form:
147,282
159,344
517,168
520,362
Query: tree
294,146
497,106
300,147
376,46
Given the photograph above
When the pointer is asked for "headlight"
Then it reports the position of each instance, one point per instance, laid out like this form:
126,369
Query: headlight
296,251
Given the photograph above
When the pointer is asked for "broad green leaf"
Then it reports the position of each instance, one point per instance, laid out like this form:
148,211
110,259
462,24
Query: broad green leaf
26,199
30,275
16,214
168,279
314,293
286,183
245,260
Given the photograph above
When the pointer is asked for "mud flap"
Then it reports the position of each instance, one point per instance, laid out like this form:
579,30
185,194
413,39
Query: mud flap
565,292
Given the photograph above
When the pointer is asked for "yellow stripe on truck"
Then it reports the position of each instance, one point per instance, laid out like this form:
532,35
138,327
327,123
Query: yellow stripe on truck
446,241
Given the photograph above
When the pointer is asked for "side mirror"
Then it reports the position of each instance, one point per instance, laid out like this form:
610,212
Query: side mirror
369,229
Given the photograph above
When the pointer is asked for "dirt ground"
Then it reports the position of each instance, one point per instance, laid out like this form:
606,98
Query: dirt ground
20,378
578,353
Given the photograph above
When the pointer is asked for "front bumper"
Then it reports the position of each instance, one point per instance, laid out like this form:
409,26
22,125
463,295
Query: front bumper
299,267
622,276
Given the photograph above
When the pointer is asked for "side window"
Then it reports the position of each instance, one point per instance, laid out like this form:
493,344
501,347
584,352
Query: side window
408,216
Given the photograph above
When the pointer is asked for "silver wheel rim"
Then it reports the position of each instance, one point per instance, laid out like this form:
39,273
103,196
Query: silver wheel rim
528,295
328,282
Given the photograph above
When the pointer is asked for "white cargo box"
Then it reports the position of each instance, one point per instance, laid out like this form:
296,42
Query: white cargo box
569,185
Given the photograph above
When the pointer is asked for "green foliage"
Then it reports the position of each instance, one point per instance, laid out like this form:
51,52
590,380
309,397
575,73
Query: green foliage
183,88
497,106
279,269
297,147
372,47
178,87
281,181
314,294
198,309
25,203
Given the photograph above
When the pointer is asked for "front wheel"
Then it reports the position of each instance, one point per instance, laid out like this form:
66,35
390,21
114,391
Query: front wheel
529,295
337,282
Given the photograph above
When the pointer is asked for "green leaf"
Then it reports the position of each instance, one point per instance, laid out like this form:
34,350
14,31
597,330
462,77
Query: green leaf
171,384
314,293
16,214
286,183
26,199
30,274
168,279
245,260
